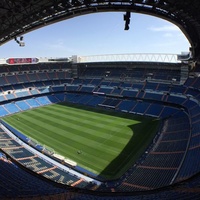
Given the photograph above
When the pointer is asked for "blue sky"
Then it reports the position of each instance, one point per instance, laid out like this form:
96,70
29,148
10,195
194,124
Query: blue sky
101,33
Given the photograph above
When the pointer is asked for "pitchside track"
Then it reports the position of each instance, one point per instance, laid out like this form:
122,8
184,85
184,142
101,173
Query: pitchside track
104,142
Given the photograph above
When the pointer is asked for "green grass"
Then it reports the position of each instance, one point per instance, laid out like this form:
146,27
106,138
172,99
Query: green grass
110,142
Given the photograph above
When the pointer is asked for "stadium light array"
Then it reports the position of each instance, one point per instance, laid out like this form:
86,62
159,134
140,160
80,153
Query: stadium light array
127,20
20,41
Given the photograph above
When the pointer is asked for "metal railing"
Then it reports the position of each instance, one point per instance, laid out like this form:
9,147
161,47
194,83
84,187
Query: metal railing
137,57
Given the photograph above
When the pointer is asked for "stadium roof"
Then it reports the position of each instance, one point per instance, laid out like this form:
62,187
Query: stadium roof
21,16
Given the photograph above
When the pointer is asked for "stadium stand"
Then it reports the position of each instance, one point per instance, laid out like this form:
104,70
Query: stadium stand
166,160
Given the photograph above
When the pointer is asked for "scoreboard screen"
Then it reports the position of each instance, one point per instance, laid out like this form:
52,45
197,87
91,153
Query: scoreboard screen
20,61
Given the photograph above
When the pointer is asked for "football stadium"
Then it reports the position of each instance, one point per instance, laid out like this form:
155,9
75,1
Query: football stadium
106,127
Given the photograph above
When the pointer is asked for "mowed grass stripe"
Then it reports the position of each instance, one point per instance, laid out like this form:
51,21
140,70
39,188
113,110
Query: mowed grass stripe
62,146
100,118
24,127
96,117
68,137
108,143
96,152
73,131
103,121
100,122
89,127
50,140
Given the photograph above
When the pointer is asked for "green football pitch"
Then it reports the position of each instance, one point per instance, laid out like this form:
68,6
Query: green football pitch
104,142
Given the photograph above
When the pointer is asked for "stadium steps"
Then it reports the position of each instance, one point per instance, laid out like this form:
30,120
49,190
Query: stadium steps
77,182
46,170
6,109
25,158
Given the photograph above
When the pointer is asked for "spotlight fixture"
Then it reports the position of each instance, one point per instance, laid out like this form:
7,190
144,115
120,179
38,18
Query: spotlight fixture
20,41
21,38
127,17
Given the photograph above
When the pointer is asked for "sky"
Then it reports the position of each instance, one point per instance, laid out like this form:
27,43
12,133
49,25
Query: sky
99,34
